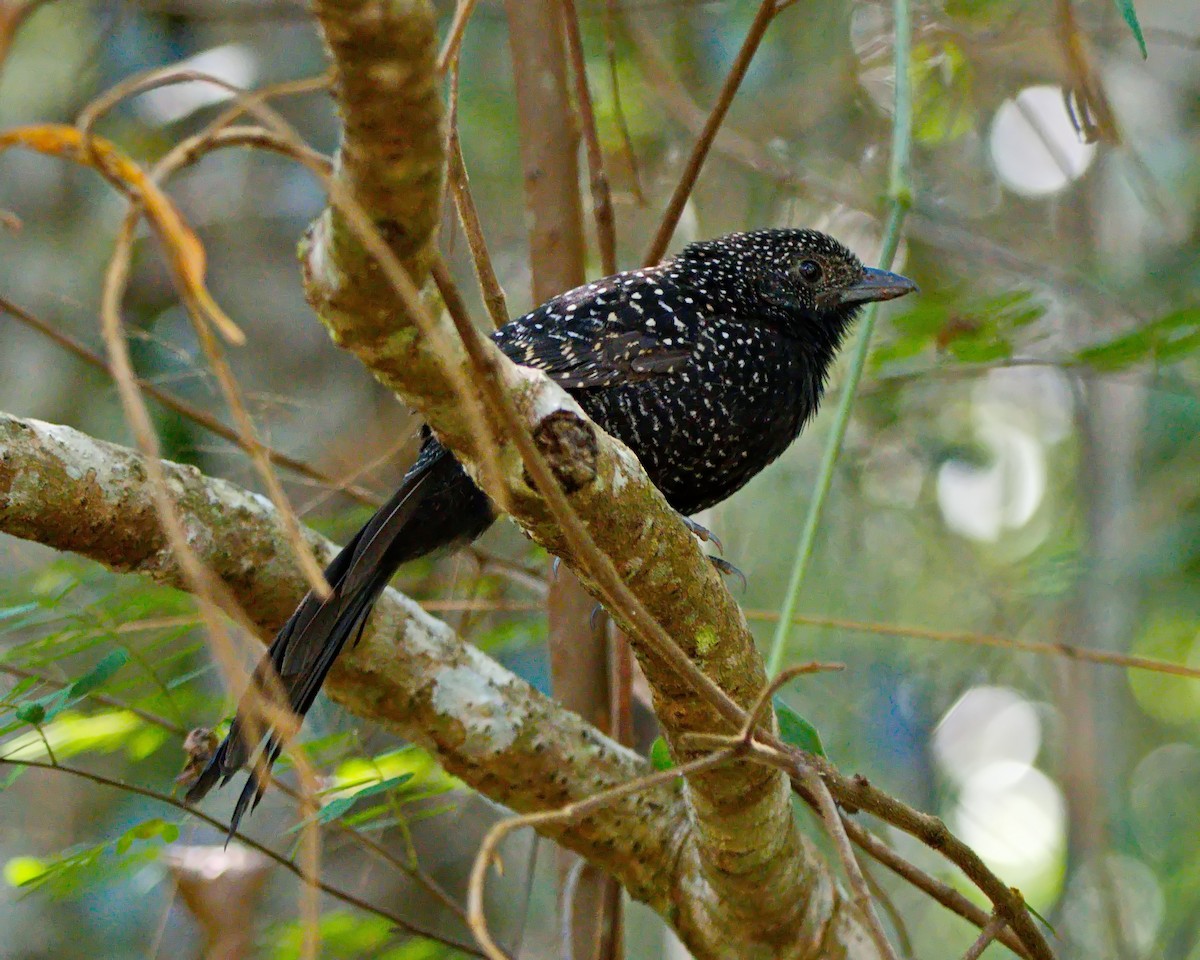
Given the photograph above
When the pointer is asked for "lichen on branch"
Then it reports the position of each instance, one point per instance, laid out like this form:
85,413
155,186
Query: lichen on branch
761,886
410,673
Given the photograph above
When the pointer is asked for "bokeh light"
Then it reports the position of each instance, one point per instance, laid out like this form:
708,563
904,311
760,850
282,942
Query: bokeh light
1011,813
1035,148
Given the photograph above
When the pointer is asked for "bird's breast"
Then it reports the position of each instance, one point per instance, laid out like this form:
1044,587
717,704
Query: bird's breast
704,430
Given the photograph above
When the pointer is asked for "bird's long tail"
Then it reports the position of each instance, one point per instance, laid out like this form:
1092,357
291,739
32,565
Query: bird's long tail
436,505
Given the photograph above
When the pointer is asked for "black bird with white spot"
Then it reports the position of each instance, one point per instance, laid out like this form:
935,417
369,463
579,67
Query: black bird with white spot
707,366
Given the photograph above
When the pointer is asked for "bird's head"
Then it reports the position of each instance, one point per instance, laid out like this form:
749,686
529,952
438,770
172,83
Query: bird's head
807,279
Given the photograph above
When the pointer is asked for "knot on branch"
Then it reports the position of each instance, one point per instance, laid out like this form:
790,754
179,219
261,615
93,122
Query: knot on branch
569,444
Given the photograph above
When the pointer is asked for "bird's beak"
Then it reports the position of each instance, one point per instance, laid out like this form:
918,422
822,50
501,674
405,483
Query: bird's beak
875,285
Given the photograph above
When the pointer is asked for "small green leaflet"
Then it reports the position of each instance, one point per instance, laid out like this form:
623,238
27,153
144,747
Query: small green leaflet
32,713
340,806
80,869
796,731
1171,337
1048,925
152,829
8,613
48,707
660,755
99,674
1131,18
793,730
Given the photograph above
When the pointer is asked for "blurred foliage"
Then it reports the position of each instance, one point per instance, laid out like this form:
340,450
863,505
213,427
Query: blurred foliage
1022,461
347,936
962,326
80,869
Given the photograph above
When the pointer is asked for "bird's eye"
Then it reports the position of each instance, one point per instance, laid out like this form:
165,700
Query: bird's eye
810,271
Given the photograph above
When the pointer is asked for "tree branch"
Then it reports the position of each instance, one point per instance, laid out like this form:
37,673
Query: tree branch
410,673
763,886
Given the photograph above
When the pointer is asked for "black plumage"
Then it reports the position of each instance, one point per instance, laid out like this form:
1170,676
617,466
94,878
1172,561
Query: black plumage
707,366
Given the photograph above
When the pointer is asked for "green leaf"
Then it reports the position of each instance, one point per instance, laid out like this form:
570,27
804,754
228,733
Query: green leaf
50,706
22,687
1171,337
795,730
69,734
154,828
429,813
9,613
660,755
99,674
1046,923
339,806
942,93
82,869
969,328
22,871
1131,18
32,713
980,351
344,936
356,771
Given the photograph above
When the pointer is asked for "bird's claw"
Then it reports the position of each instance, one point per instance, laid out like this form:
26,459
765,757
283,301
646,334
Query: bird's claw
702,532
725,568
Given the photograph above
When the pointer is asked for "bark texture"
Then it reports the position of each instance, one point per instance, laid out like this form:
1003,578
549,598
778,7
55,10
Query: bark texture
721,858
554,214
761,891
410,673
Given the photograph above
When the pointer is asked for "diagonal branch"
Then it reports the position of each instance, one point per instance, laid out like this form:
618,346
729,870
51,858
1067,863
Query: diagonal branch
410,673
770,891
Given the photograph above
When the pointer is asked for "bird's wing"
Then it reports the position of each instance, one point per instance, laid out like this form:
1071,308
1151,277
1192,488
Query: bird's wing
630,326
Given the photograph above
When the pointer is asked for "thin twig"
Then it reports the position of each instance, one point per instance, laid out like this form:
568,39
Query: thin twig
602,209
259,704
183,407
458,27
841,842
378,850
188,151
12,17
566,909
212,595
986,936
152,718
900,197
1097,121
468,215
1066,650
767,12
614,81
336,892
572,811
950,898
181,155
884,899
857,793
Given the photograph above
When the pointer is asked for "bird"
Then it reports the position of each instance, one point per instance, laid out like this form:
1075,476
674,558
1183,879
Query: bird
707,366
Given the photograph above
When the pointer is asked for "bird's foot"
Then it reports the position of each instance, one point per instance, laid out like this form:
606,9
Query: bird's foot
702,532
725,568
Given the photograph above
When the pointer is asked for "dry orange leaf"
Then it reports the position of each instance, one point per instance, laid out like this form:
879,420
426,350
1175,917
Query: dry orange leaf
184,250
